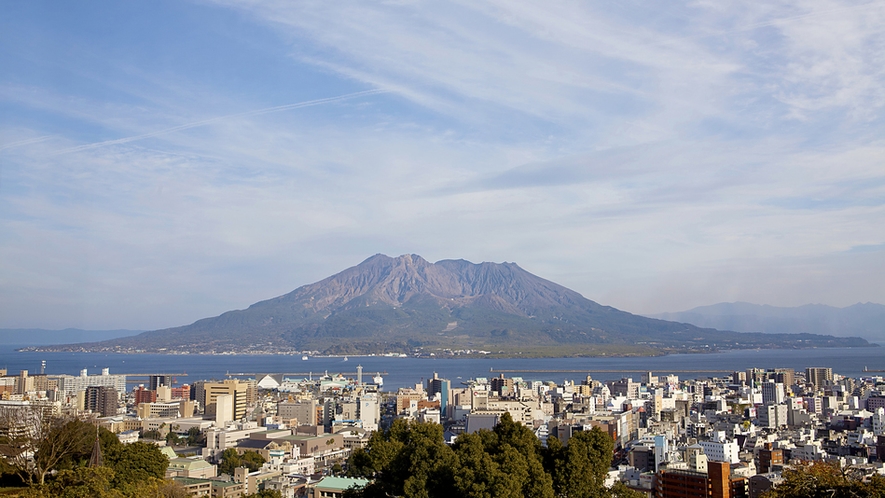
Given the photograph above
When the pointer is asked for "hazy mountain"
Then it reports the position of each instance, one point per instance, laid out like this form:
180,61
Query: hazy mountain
397,304
865,320
39,337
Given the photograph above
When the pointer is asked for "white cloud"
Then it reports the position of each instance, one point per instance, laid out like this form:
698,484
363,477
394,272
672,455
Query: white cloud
653,157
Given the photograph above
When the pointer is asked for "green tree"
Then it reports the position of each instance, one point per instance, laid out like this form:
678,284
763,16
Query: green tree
152,435
135,463
408,459
503,462
265,493
619,490
37,444
826,480
411,459
252,460
195,437
580,467
81,482
231,459
381,449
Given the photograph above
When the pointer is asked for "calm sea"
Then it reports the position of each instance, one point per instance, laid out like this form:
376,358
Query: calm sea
403,372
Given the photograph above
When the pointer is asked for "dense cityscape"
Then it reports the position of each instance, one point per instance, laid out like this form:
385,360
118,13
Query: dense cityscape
729,436
442,249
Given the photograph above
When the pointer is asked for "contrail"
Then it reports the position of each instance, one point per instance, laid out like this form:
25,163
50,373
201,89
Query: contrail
28,141
195,124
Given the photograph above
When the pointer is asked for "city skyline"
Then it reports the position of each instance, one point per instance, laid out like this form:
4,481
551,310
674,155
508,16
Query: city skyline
168,162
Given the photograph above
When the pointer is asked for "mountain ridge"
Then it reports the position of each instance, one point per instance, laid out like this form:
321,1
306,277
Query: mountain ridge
407,304
865,320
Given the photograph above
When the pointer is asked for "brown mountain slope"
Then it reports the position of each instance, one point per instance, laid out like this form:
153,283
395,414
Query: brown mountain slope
399,304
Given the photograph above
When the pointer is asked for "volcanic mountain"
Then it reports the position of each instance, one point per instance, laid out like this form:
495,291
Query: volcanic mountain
406,303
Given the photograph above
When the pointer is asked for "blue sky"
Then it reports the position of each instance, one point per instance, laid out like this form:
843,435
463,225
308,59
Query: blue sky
161,162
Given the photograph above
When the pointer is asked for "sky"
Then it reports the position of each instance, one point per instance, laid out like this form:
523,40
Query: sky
165,161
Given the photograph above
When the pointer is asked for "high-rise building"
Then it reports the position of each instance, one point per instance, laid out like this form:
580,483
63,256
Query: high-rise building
304,411
717,482
72,384
102,399
768,458
25,383
370,410
783,375
233,387
772,416
155,381
183,392
443,388
143,395
772,392
504,387
624,387
819,376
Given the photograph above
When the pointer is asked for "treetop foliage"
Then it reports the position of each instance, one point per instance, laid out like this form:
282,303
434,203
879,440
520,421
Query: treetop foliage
61,449
412,459
231,459
826,480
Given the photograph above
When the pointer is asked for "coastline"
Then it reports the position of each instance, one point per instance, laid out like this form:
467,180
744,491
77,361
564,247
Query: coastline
593,351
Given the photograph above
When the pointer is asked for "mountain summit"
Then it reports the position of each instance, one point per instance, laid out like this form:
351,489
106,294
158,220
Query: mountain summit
400,304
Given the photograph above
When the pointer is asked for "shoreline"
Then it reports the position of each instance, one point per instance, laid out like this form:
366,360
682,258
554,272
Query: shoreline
433,355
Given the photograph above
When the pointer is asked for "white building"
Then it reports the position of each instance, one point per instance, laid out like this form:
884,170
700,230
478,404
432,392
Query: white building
70,385
878,421
720,451
772,416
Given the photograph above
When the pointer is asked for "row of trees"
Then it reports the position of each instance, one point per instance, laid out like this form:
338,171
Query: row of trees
412,459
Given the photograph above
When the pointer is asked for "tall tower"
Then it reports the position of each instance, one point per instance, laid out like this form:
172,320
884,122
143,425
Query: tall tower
359,375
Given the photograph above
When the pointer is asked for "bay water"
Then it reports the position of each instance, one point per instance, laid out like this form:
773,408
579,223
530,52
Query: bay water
405,372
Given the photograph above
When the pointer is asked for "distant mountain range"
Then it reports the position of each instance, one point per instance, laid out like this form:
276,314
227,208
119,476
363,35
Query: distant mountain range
865,320
35,337
406,303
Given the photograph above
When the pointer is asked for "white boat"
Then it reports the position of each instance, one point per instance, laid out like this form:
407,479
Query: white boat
304,358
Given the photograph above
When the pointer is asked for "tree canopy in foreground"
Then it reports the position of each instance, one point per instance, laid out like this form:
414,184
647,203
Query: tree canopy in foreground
412,459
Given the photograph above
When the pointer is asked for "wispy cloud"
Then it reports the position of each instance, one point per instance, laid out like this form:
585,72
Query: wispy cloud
651,156
204,122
